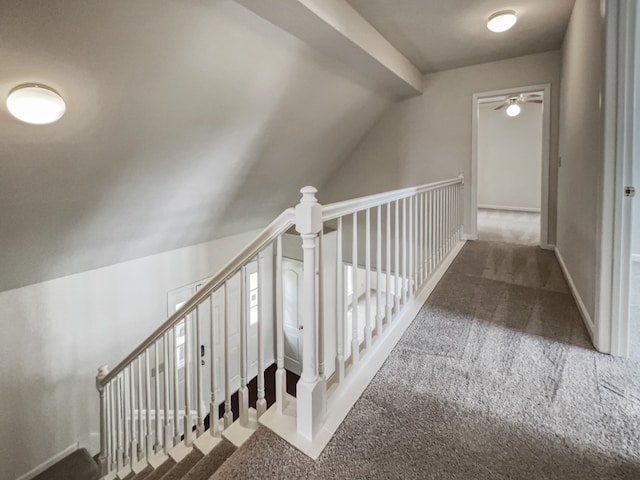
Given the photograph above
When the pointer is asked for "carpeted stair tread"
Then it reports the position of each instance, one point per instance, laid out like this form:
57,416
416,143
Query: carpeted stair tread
144,473
159,472
178,471
78,465
211,462
130,476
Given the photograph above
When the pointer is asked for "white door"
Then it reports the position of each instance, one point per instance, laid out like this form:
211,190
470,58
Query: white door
291,289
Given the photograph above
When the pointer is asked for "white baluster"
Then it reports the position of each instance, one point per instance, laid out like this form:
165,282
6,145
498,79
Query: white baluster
397,258
428,232
166,437
411,241
421,238
147,405
367,281
355,343
228,413
243,393
156,396
379,313
340,305
441,235
214,412
404,250
320,304
261,402
133,448
188,422
461,210
281,373
176,393
449,215
113,428
388,261
121,415
198,359
457,212
140,419
311,389
440,224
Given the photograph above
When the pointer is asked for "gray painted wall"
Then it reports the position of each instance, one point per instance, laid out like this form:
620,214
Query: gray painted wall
635,245
510,157
428,138
57,333
581,137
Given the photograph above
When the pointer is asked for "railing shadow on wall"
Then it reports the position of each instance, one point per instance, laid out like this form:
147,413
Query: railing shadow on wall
357,265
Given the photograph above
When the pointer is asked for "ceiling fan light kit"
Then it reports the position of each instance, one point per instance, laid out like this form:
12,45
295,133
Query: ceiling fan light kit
502,21
513,110
513,103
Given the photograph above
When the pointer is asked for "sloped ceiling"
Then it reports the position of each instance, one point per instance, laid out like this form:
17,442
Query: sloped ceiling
191,120
186,121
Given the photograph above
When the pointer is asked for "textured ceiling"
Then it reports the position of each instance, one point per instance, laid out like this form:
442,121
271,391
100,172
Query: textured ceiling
443,34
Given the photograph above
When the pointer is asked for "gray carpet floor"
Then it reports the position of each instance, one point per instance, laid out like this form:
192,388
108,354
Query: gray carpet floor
495,379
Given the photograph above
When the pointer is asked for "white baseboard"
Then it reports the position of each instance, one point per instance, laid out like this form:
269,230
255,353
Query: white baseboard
470,236
509,208
588,321
48,463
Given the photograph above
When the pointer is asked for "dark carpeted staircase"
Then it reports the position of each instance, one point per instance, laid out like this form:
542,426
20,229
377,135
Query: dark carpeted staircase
79,465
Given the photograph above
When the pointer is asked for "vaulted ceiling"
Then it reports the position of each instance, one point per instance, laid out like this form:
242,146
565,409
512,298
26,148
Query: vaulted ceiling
190,120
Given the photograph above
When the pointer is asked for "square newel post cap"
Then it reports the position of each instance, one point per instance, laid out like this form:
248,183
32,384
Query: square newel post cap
308,213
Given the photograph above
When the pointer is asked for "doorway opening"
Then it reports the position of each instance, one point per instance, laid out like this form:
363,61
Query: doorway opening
510,166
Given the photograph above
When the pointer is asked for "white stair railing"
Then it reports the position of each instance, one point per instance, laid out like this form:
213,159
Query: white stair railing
387,246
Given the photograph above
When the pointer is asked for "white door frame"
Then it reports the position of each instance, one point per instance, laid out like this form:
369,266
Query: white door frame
472,233
614,249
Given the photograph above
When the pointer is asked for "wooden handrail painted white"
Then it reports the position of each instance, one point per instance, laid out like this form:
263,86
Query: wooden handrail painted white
340,209
280,225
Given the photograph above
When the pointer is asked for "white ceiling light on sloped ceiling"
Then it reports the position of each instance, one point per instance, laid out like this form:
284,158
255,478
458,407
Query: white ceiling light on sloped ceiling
502,21
35,104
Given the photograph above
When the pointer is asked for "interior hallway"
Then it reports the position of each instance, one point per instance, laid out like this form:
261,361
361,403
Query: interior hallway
495,379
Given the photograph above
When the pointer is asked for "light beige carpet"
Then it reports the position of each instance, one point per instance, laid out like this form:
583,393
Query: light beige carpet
496,379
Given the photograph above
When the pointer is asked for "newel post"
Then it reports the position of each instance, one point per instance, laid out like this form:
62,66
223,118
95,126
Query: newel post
103,457
311,389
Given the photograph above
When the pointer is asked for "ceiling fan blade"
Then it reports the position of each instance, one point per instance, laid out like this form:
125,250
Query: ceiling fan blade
533,100
500,107
531,97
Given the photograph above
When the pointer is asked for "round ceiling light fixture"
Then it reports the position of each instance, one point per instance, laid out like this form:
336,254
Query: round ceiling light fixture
513,110
502,21
36,104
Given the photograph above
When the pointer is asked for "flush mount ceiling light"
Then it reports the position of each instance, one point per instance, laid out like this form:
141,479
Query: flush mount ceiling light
502,21
35,104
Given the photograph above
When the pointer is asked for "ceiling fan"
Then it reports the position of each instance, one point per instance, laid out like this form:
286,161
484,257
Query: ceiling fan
511,103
